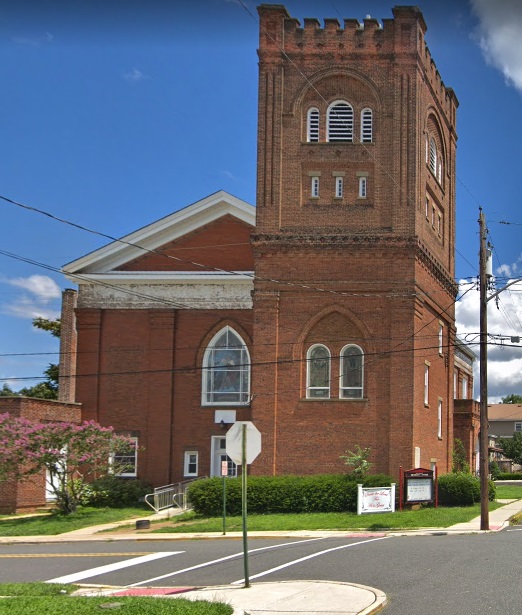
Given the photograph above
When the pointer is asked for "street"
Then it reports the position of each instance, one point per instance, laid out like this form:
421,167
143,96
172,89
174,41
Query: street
444,574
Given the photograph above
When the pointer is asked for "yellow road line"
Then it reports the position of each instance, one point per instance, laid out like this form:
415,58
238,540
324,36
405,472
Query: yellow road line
14,555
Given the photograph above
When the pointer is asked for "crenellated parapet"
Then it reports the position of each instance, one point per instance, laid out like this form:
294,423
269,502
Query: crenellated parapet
391,40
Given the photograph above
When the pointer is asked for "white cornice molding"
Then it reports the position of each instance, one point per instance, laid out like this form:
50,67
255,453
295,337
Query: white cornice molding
161,277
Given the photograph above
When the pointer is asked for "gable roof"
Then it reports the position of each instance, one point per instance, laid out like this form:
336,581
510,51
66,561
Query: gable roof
163,231
505,412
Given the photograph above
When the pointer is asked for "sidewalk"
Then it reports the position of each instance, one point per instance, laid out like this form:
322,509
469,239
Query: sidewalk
282,598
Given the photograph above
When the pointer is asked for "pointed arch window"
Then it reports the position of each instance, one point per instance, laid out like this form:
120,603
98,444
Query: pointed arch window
352,372
366,126
226,370
312,125
318,372
340,121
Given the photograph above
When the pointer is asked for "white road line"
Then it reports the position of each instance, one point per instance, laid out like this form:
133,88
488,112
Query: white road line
303,559
93,572
515,530
222,559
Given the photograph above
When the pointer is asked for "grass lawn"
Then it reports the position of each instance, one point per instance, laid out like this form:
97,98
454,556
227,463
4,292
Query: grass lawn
52,523
49,599
509,492
406,519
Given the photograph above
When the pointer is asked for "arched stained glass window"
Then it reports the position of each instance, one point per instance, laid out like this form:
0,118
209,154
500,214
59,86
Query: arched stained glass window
318,372
226,370
352,372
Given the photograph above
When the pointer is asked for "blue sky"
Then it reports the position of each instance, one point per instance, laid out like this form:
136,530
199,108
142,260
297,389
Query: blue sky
114,114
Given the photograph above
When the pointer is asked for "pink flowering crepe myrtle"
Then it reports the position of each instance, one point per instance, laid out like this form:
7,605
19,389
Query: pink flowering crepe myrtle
70,454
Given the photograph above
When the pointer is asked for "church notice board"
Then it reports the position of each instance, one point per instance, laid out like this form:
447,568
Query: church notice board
418,486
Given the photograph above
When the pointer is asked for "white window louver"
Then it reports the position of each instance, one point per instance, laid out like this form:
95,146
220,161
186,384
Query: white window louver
313,125
366,126
340,122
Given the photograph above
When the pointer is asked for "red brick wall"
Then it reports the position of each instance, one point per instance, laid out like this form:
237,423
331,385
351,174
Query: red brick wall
375,262
143,373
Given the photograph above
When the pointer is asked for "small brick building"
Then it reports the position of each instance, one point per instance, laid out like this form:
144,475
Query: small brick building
31,493
326,314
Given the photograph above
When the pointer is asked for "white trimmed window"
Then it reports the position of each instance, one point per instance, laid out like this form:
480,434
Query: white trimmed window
339,187
439,418
455,383
190,466
226,370
352,372
464,387
441,337
363,187
312,125
318,372
340,121
518,426
426,383
366,126
125,463
314,187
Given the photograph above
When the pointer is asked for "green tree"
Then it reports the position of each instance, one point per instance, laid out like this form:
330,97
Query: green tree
69,454
460,460
512,447
512,399
7,391
358,461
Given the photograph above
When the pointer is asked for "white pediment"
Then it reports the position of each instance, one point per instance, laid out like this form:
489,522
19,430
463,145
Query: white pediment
161,232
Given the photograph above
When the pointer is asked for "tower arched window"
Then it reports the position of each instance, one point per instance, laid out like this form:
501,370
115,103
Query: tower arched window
432,161
352,372
366,126
318,372
312,125
226,370
340,121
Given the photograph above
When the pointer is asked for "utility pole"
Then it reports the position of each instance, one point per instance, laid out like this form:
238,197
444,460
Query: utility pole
484,427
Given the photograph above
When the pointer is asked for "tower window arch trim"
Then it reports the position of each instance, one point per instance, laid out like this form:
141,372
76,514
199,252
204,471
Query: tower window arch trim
226,370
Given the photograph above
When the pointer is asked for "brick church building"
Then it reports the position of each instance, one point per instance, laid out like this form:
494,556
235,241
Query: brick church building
325,314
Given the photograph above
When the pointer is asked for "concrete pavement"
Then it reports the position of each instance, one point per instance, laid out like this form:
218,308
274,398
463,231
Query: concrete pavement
283,598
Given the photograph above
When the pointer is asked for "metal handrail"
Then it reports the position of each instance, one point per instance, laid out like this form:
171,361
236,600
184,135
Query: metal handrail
170,496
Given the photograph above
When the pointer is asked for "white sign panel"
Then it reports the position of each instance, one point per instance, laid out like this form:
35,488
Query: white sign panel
375,499
418,490
234,442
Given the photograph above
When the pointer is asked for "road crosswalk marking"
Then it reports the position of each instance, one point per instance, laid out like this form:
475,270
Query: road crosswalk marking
93,572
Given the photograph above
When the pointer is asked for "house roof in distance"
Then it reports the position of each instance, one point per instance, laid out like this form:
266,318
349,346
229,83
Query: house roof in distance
505,412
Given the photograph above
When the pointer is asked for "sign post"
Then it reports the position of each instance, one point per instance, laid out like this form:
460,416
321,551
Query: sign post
224,474
243,446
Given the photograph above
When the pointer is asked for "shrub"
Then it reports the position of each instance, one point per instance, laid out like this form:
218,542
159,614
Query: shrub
115,492
282,494
509,476
494,470
461,489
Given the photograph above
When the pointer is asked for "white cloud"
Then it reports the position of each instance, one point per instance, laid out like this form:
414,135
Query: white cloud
499,35
135,76
35,41
42,287
40,291
503,322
